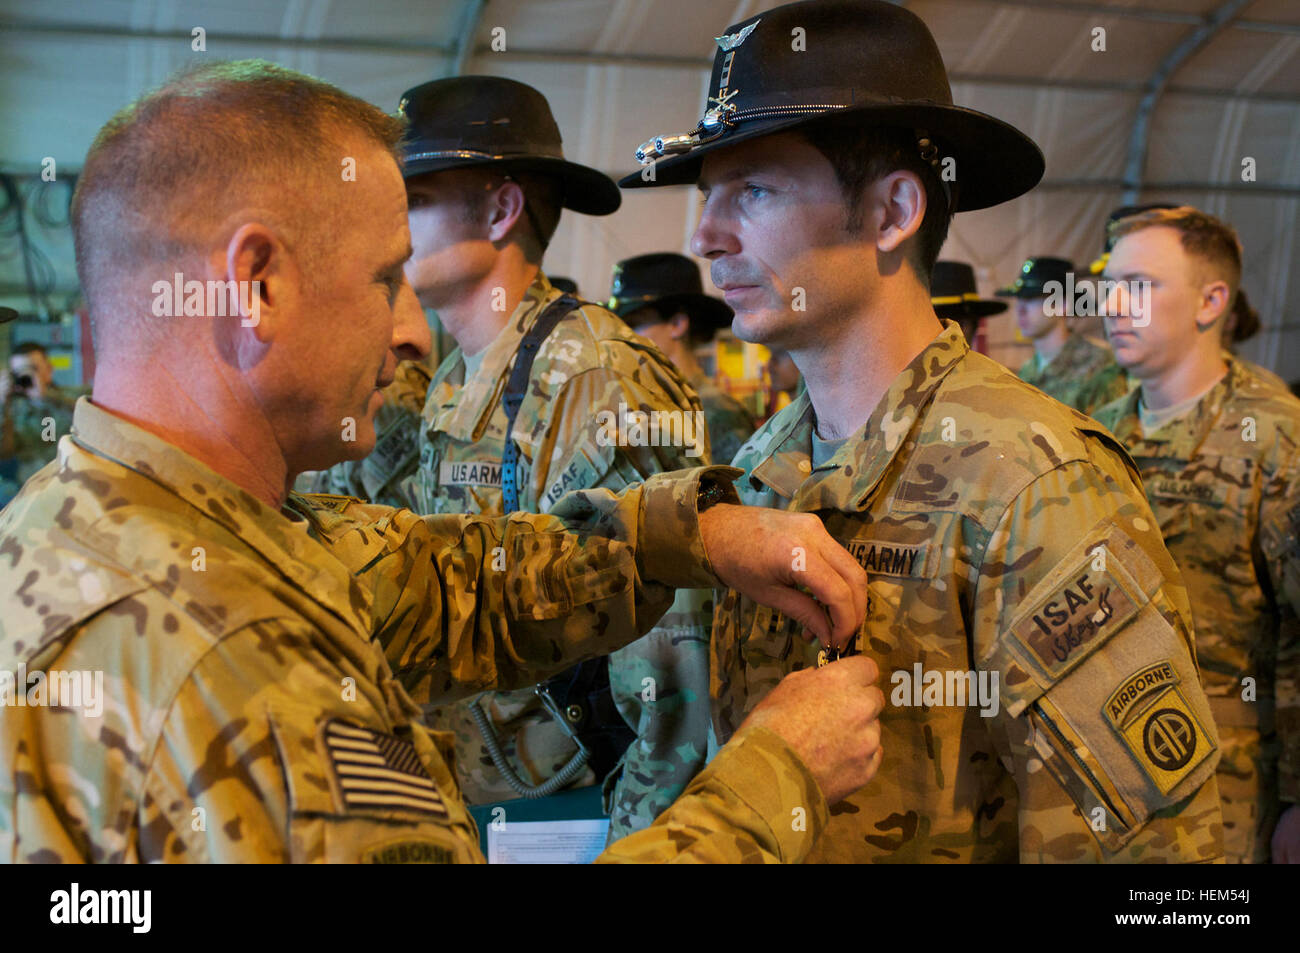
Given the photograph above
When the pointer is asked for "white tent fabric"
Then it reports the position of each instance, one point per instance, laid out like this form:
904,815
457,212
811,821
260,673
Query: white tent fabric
1193,101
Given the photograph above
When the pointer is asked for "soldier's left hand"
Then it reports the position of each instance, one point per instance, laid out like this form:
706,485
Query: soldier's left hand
771,555
1286,837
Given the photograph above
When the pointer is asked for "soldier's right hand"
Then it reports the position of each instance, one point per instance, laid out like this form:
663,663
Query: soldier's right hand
772,555
6,386
830,717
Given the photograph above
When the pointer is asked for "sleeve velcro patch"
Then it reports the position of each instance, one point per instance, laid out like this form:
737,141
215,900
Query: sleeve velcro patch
1150,714
1090,595
379,772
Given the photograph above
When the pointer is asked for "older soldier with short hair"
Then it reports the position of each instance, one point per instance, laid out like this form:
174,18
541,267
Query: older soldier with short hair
248,711
1218,445
1045,701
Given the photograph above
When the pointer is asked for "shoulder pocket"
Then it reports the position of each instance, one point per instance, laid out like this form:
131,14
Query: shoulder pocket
358,795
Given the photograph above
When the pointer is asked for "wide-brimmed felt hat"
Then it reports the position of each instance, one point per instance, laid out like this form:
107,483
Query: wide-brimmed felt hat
1124,211
954,295
668,283
468,121
1034,275
829,60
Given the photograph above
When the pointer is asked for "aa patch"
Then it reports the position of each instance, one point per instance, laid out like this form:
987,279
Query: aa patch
375,771
1150,714
1080,612
470,473
408,851
1170,488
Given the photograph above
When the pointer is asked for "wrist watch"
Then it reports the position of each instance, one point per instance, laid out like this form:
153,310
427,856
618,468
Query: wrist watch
714,491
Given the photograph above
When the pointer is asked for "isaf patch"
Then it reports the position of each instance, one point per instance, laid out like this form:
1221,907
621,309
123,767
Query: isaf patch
1148,711
376,771
1080,612
580,474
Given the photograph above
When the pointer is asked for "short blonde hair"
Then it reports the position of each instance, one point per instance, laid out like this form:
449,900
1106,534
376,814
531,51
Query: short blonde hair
1210,239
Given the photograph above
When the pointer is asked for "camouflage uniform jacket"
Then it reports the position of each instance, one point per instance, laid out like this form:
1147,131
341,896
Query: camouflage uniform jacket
248,711
590,368
397,427
1222,481
1083,375
1004,535
730,424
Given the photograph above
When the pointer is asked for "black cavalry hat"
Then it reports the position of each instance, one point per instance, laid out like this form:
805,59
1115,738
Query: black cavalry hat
1124,211
1035,273
863,59
669,283
490,120
954,295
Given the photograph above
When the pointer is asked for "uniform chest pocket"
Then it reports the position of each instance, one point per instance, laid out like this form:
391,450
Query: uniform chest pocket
358,795
1209,497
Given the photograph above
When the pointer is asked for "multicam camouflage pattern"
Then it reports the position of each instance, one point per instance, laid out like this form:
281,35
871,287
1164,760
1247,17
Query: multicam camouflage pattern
754,803
397,427
591,362
1083,375
236,640
30,431
1001,533
1224,481
730,424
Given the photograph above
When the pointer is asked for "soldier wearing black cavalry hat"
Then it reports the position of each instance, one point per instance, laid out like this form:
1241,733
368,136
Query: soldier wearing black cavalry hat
660,296
1070,366
1045,703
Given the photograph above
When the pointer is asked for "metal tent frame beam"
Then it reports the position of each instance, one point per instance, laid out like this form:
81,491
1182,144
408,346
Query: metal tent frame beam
1140,136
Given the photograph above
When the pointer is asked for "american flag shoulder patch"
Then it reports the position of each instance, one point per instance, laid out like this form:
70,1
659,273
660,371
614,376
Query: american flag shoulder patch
376,771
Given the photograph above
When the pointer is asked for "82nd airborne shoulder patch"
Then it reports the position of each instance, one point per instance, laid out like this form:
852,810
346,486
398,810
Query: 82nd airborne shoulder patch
1157,725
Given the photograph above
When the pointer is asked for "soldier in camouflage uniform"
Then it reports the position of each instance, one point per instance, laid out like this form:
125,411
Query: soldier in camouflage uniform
1006,537
1220,460
244,707
501,186
1073,368
661,298
34,413
397,425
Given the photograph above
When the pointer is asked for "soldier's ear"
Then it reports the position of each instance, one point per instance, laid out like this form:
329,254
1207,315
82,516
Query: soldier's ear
1215,299
901,203
680,325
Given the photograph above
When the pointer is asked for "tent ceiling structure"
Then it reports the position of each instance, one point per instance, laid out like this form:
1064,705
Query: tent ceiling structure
1193,101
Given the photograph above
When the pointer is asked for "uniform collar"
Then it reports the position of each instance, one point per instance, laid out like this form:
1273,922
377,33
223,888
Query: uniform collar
272,534
1181,438
465,412
847,480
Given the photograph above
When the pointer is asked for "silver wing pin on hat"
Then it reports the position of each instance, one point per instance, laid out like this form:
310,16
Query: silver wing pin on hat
733,40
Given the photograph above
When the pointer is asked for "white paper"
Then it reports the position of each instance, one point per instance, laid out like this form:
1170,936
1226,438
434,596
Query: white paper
547,842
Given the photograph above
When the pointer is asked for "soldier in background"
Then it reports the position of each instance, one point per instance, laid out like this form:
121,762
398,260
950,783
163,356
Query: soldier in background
34,413
248,713
955,297
1242,324
1006,537
784,380
661,298
1219,451
500,434
1075,369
